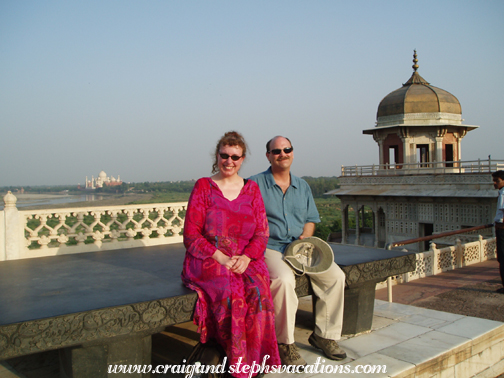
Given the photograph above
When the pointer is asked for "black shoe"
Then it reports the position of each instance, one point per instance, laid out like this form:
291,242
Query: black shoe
500,291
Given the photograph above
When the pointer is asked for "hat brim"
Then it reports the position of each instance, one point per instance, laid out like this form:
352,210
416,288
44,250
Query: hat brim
309,255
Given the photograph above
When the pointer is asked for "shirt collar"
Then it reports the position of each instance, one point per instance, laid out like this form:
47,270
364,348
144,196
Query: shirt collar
270,181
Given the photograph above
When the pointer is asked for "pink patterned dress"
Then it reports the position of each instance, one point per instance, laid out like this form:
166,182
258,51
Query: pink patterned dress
235,309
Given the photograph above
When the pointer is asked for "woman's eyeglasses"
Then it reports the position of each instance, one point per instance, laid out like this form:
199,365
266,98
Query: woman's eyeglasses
233,157
278,151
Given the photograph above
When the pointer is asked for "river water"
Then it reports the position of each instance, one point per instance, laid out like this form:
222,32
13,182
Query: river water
24,200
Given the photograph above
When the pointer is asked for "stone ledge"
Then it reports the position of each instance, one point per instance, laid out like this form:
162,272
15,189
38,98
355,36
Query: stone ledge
91,326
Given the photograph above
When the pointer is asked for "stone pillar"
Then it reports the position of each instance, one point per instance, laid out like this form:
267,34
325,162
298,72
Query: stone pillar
439,152
344,223
406,152
2,236
359,308
376,228
459,150
94,360
14,230
459,253
379,138
412,154
380,149
435,259
357,228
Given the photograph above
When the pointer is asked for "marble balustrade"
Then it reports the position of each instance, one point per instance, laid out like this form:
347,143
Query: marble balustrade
50,232
439,260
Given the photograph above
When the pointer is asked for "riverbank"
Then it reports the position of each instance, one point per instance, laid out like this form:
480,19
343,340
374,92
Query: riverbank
34,201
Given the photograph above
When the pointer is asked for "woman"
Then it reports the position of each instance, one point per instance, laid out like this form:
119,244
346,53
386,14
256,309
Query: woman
225,234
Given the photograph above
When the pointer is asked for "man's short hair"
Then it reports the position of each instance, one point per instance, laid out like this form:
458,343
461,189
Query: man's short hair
271,140
498,174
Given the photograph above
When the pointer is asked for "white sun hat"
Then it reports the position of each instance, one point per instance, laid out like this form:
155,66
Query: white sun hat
309,255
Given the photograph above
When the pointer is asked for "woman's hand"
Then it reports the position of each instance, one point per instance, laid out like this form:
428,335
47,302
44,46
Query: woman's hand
223,259
240,264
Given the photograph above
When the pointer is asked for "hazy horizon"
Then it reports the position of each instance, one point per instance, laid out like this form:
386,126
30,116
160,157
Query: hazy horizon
145,89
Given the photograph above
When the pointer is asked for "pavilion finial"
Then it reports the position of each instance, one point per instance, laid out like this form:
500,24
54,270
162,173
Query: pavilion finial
415,60
415,76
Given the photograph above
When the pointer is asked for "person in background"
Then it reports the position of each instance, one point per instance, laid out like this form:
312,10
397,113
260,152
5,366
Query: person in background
498,181
225,235
292,215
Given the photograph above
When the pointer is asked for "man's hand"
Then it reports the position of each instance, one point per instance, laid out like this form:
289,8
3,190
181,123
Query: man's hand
308,230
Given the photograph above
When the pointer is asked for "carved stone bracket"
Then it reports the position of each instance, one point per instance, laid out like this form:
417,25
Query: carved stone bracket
357,274
378,270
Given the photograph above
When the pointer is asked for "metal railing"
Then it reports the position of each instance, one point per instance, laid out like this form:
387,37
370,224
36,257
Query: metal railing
441,167
437,236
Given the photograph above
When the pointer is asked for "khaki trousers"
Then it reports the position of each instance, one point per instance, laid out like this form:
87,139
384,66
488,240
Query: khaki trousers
328,288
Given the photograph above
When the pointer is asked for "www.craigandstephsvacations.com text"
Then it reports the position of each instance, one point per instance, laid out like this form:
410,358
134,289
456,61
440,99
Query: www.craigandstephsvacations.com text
197,369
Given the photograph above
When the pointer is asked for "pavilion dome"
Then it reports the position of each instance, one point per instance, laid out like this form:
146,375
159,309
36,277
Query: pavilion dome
417,102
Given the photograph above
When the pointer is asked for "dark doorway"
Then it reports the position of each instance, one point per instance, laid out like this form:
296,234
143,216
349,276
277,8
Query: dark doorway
426,229
449,155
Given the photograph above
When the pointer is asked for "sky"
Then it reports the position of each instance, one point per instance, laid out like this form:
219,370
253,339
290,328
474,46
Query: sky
145,89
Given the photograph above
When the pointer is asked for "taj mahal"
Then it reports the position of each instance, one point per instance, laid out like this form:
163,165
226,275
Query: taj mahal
101,181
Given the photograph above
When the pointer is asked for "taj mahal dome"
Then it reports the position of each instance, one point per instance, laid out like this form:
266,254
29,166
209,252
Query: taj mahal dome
101,181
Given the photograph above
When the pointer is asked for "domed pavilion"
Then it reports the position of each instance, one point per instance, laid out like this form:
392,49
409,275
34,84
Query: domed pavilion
421,186
419,123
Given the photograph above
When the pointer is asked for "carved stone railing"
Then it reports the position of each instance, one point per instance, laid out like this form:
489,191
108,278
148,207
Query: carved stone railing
435,261
49,232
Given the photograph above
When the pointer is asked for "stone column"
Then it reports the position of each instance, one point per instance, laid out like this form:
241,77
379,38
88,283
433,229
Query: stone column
439,152
380,149
459,150
357,228
376,227
2,236
14,230
406,152
94,360
379,138
344,223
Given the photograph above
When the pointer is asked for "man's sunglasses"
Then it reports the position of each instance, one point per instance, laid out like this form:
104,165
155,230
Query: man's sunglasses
278,151
233,157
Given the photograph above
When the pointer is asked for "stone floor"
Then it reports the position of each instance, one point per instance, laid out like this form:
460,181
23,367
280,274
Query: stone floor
407,341
468,291
449,325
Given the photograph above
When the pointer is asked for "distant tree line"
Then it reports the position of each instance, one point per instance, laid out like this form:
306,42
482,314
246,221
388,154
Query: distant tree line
318,185
321,185
150,187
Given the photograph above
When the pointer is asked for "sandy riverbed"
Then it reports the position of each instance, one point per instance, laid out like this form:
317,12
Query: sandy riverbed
28,201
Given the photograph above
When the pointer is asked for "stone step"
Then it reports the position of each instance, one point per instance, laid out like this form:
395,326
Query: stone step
174,344
410,341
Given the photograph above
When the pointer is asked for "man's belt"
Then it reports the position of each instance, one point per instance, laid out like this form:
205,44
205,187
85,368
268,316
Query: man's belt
499,226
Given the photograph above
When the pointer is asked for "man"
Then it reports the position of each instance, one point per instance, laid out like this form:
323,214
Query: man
292,215
498,180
